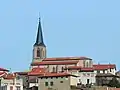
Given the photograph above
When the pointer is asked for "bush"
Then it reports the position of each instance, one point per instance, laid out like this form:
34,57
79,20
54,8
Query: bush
114,83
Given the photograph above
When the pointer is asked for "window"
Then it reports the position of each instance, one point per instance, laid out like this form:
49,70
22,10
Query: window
88,81
88,74
41,53
18,83
103,71
57,68
51,77
53,69
46,83
84,74
80,80
38,52
66,76
62,69
92,74
110,70
61,81
18,77
17,87
11,87
84,63
3,88
90,63
5,83
87,64
98,71
56,77
51,83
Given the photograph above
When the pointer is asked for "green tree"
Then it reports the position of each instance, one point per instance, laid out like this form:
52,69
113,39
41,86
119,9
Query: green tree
114,83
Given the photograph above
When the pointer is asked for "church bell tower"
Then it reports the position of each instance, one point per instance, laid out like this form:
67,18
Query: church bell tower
39,48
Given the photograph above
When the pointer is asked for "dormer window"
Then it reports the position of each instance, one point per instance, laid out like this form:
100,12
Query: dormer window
38,52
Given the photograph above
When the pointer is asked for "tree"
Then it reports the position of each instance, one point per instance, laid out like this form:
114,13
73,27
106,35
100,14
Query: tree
114,83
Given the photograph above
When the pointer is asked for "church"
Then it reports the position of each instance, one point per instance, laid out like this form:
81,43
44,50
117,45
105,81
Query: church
82,68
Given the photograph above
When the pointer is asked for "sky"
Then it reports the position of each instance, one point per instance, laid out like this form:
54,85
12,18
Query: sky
88,28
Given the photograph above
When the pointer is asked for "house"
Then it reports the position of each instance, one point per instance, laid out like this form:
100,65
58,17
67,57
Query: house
30,78
105,68
10,81
24,77
56,81
103,79
86,75
34,74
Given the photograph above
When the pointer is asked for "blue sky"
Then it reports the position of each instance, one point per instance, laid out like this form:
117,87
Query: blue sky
88,28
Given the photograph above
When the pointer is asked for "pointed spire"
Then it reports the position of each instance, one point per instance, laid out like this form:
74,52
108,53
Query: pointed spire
39,39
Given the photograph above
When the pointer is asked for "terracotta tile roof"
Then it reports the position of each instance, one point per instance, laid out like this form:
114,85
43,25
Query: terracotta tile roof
87,69
2,69
21,73
54,63
2,73
9,76
37,71
80,68
66,58
56,75
103,66
74,67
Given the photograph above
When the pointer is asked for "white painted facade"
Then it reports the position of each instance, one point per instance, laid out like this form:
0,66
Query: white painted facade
33,84
112,71
85,77
11,84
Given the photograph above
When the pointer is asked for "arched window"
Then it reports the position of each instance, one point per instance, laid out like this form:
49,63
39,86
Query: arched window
43,54
57,68
62,69
53,69
38,52
90,63
87,64
84,64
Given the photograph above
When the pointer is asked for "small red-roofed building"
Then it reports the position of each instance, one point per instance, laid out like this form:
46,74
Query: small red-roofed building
34,74
3,70
105,68
86,74
11,81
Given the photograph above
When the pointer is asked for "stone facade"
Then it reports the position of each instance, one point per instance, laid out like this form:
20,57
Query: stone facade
57,83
